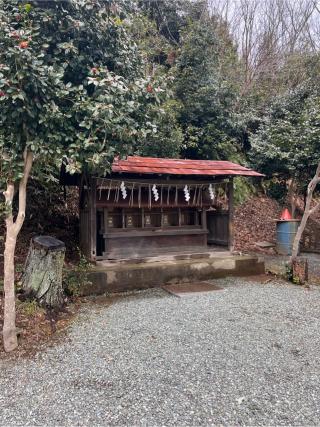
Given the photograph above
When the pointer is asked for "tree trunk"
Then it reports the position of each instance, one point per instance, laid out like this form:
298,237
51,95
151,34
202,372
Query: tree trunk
297,239
13,228
292,190
10,341
42,277
307,212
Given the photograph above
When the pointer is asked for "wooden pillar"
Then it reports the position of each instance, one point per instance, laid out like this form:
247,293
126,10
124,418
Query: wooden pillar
204,218
123,218
105,220
85,216
231,214
93,218
82,227
204,225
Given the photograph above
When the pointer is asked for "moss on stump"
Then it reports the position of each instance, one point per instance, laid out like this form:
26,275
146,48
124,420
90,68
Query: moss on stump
42,277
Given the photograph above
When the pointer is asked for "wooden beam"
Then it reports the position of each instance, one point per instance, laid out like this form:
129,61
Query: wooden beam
231,215
174,231
105,220
204,219
93,219
155,180
196,217
123,218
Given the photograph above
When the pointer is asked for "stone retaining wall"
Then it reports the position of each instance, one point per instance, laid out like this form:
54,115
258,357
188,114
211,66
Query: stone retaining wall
124,277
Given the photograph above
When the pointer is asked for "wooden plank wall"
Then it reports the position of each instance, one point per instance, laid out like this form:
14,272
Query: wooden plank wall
218,227
230,216
220,223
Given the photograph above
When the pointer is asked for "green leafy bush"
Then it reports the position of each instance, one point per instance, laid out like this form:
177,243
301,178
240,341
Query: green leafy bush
243,190
74,279
276,190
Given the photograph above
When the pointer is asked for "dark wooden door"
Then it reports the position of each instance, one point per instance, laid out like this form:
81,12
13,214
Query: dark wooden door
218,228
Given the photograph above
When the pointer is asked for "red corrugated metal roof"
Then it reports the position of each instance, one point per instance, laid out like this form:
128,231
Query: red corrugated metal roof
153,165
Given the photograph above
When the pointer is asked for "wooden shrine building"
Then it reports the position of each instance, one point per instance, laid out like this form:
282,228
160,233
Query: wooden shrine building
150,206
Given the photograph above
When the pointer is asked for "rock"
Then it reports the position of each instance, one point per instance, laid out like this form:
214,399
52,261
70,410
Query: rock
265,244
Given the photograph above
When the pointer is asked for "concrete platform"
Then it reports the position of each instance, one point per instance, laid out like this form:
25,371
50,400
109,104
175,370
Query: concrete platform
129,274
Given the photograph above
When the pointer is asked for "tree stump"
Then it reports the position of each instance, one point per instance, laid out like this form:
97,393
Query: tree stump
42,277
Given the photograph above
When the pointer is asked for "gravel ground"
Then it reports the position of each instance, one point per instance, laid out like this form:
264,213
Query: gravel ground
248,354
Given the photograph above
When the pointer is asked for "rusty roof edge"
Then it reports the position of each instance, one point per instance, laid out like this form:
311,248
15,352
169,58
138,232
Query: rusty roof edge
149,171
194,166
136,164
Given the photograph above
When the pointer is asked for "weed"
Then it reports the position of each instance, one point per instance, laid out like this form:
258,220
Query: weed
19,268
289,272
75,279
30,307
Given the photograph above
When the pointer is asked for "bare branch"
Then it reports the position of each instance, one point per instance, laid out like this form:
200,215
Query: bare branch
307,212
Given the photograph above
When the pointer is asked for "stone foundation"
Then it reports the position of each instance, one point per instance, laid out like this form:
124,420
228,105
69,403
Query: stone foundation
124,276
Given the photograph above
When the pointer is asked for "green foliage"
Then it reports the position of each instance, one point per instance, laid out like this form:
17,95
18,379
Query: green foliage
289,271
72,86
167,142
19,268
4,210
276,189
169,17
206,97
288,142
83,80
243,189
75,279
197,50
152,30
154,48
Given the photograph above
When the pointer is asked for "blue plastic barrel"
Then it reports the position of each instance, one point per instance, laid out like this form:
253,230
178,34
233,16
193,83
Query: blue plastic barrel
286,231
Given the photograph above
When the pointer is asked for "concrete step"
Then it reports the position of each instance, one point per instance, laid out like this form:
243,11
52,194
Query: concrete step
124,276
176,256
